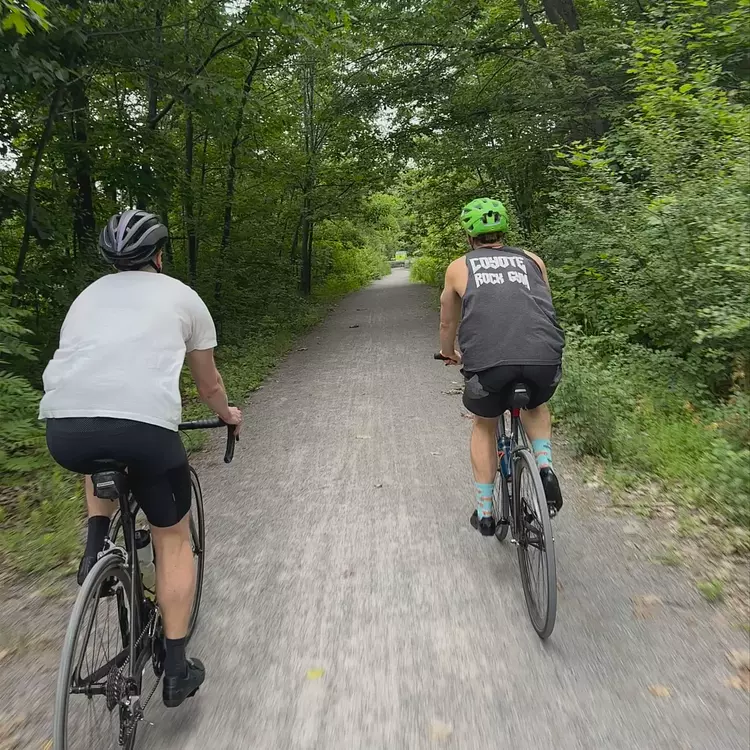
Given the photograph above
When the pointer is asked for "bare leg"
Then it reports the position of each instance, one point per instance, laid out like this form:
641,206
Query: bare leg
484,465
175,589
537,423
99,514
484,450
95,506
175,576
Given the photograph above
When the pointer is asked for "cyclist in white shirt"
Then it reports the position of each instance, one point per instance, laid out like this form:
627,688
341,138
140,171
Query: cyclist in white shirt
112,392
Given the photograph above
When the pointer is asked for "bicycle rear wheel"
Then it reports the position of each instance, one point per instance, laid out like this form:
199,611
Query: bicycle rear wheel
197,540
536,547
93,657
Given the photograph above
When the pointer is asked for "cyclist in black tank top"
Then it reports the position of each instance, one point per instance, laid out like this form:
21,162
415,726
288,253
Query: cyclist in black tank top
508,333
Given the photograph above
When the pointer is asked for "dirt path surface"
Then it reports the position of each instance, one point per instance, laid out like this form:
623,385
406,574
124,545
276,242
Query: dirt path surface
349,604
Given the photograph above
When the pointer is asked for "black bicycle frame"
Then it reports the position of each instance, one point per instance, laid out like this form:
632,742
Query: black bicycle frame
510,448
127,519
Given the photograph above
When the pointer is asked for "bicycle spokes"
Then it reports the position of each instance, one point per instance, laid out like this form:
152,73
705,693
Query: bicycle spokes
100,652
536,548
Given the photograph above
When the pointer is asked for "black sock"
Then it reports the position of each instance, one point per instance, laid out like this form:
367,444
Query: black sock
175,664
97,532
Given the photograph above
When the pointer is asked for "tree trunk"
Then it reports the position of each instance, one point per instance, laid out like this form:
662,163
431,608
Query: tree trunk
162,201
231,176
84,223
528,20
30,202
163,209
562,13
309,257
190,228
31,185
203,176
295,240
308,120
143,198
306,266
153,94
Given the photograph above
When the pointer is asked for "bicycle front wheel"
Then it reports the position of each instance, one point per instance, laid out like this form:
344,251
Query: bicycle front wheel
536,546
93,658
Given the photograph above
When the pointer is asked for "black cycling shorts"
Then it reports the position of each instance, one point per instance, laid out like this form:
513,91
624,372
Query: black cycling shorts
158,470
489,393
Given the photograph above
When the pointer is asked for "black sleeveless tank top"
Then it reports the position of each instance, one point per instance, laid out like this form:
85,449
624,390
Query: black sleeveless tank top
507,317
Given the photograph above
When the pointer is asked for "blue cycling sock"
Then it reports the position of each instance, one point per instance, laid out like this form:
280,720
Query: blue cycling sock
484,499
542,452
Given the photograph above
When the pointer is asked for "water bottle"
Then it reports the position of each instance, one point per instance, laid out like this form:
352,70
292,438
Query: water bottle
145,552
503,445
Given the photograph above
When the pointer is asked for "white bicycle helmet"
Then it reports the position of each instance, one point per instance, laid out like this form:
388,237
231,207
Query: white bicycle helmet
131,239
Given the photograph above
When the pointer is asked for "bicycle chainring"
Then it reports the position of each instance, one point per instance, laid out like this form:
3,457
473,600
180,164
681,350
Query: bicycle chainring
158,647
157,660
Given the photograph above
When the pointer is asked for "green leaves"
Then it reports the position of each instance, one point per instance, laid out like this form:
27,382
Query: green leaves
12,331
22,16
17,21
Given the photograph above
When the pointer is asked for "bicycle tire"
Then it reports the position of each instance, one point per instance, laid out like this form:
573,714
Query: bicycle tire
542,618
109,566
198,540
501,509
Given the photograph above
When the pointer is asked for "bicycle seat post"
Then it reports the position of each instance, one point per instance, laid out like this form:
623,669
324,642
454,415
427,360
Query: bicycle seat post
521,397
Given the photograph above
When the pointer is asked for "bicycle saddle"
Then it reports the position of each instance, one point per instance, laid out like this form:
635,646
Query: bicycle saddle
109,479
521,396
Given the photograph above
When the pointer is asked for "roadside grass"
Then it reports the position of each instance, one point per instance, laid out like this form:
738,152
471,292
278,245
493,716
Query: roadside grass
712,590
648,426
664,452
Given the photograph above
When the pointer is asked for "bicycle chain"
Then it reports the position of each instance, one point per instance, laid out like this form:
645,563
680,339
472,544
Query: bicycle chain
127,725
140,638
151,694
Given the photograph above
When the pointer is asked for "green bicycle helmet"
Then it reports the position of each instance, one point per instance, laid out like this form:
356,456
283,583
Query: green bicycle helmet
484,215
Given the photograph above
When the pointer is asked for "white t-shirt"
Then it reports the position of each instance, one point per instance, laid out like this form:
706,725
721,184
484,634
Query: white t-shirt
122,348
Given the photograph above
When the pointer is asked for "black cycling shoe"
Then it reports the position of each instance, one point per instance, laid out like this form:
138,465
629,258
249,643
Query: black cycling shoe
486,526
87,562
177,689
551,489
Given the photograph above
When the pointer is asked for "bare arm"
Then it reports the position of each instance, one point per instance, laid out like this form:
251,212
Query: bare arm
450,313
210,385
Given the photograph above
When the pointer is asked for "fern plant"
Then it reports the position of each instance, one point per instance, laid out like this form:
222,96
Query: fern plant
21,437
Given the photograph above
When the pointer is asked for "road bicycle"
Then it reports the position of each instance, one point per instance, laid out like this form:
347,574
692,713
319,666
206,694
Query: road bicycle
113,655
520,507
